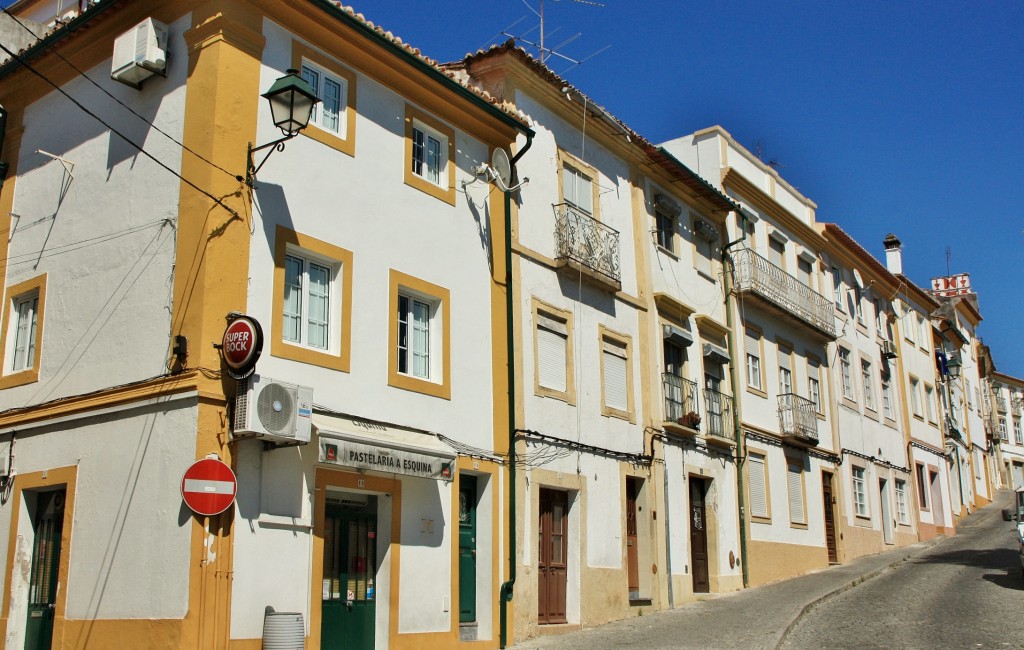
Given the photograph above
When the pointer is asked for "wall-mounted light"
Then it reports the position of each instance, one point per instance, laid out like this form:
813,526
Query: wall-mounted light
291,105
953,368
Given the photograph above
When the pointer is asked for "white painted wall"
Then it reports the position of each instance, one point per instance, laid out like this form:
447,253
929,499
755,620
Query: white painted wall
107,249
129,519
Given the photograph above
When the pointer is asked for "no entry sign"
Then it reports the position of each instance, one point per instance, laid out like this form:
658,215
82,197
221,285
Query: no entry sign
208,487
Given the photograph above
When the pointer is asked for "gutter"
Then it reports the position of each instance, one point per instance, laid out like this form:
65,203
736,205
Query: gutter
734,383
507,589
422,66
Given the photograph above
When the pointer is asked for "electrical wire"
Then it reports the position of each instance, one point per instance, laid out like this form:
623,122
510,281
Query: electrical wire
123,105
113,130
25,258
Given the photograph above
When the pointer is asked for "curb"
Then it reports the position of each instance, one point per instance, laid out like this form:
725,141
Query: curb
920,548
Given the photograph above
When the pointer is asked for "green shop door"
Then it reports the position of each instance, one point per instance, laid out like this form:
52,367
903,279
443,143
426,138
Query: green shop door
467,548
48,523
350,565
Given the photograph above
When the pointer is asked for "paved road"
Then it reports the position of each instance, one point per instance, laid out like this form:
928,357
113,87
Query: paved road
956,592
964,592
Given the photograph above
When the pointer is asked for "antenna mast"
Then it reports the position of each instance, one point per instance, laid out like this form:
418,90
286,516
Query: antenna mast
543,50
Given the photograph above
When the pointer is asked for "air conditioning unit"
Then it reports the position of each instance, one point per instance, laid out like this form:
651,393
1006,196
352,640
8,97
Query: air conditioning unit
272,410
888,350
140,53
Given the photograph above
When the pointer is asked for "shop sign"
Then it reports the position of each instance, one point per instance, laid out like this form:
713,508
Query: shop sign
241,346
335,451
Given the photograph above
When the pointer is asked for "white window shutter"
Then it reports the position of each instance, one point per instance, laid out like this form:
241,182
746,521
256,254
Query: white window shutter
615,381
758,493
796,494
551,360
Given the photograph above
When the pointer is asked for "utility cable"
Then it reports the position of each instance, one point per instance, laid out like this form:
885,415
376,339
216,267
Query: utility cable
125,106
99,119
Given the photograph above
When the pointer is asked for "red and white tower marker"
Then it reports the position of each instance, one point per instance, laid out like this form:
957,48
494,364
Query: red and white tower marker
208,487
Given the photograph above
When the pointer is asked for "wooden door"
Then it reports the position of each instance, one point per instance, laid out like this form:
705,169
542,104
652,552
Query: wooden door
698,537
830,519
48,524
348,609
467,548
632,554
552,555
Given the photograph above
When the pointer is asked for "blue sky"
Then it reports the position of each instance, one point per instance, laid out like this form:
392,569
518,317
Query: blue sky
904,117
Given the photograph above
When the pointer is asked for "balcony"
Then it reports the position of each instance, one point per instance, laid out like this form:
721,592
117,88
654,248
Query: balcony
798,418
782,292
587,246
682,411
718,408
1016,405
1001,403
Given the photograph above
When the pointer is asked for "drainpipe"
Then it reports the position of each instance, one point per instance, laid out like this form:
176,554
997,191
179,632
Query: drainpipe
508,587
3,132
734,382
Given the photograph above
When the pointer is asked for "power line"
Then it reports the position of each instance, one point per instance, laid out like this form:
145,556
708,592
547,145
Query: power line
99,119
127,107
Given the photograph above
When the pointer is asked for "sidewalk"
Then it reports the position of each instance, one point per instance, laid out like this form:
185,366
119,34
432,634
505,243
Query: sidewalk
753,618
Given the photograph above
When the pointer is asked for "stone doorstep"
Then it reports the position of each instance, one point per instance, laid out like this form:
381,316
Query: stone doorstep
468,631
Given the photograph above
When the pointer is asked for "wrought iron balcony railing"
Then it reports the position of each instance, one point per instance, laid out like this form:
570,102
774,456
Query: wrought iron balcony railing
756,274
1001,403
1016,405
718,408
583,240
681,404
798,417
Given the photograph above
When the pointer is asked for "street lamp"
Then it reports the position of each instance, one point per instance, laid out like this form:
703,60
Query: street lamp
953,368
291,105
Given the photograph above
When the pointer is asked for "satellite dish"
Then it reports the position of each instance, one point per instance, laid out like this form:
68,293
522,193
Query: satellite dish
501,167
897,311
857,279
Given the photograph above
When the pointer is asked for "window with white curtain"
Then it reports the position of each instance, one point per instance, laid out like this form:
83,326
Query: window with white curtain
753,345
309,288
329,113
860,494
578,189
414,336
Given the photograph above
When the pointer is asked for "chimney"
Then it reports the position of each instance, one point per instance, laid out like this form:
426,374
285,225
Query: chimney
893,254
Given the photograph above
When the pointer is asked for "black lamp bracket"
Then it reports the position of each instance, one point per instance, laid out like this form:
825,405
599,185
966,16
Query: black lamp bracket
252,169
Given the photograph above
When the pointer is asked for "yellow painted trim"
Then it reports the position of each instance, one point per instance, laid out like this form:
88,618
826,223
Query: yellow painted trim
605,334
565,158
706,323
569,394
29,375
331,478
159,387
672,308
48,478
11,148
344,143
444,193
283,238
434,292
544,260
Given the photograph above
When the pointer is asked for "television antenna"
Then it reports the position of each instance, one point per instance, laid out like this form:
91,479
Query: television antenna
547,52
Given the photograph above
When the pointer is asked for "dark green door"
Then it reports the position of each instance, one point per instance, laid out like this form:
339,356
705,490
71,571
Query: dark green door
350,567
48,523
467,548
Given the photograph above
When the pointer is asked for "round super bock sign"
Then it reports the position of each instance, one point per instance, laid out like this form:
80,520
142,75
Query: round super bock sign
241,346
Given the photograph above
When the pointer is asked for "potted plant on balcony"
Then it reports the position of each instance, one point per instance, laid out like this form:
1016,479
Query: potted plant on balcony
691,419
